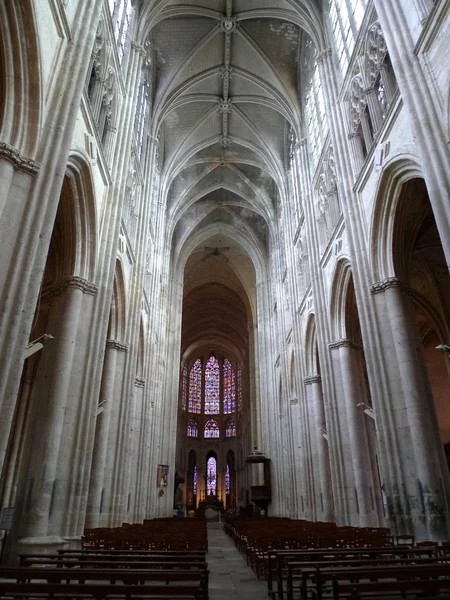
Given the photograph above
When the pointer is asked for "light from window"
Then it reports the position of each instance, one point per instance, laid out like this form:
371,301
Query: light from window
195,388
212,387
229,388
142,109
192,428
184,386
230,430
211,477
121,15
212,429
194,490
345,20
227,480
239,388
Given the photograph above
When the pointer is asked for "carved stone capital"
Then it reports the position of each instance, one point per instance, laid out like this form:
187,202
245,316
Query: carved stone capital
22,163
312,379
77,283
382,286
323,55
115,345
140,383
138,48
294,401
344,344
300,144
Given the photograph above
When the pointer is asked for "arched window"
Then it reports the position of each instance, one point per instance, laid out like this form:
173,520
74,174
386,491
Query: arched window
184,387
212,387
121,15
194,487
195,388
211,476
230,430
143,102
227,480
229,388
345,20
192,428
239,387
212,429
315,119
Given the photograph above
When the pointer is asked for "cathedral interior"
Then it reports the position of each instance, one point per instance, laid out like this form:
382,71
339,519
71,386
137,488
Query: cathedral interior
224,230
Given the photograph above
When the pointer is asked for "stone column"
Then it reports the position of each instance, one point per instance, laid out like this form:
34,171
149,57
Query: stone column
138,443
319,449
419,502
349,393
50,459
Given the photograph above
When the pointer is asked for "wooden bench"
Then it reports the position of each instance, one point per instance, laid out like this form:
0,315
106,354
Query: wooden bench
298,572
277,569
378,589
344,579
99,591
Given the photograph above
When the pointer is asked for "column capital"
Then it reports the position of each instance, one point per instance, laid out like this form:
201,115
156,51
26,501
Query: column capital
138,48
20,162
77,283
382,286
115,345
312,379
344,343
323,55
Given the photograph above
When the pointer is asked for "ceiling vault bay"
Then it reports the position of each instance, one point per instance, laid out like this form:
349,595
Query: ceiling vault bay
226,94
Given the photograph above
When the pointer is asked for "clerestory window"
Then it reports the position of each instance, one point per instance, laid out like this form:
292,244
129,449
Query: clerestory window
345,20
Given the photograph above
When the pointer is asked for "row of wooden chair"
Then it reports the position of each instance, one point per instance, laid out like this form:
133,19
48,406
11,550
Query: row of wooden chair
102,574
155,534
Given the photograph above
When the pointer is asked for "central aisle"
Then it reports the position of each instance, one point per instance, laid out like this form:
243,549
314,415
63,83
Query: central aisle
229,575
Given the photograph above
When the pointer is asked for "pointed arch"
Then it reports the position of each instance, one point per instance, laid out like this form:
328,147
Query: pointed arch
312,367
20,77
118,305
339,294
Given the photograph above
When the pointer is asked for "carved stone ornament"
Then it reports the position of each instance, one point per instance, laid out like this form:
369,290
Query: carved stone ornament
228,24
344,344
140,383
27,165
115,345
376,51
390,282
76,283
357,99
312,379
225,106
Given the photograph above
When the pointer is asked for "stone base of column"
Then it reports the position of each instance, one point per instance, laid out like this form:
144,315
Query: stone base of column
42,545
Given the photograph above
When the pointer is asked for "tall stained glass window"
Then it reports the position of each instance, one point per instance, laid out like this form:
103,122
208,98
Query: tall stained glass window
184,387
229,388
212,429
239,387
230,430
194,490
345,20
192,428
121,15
211,477
227,480
195,388
212,387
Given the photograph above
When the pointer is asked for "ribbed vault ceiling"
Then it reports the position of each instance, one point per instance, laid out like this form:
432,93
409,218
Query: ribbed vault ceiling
225,96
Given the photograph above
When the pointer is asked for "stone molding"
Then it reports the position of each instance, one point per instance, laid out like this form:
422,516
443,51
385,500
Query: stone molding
22,163
312,379
344,344
382,286
115,345
77,283
138,48
140,383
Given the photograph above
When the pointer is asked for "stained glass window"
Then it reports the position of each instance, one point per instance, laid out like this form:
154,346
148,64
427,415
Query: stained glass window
229,388
212,387
345,20
192,428
381,95
184,379
227,480
211,477
194,491
121,14
195,388
239,387
230,430
212,429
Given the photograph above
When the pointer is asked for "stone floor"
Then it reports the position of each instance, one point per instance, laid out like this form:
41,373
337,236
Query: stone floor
229,576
